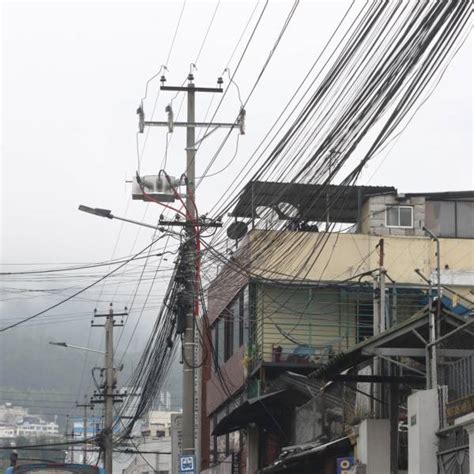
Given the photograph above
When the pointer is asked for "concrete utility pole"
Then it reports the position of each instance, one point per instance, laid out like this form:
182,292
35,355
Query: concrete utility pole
72,445
108,391
191,247
435,320
379,321
85,406
383,316
188,340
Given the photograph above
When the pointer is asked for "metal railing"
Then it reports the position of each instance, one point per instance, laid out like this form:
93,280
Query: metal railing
302,343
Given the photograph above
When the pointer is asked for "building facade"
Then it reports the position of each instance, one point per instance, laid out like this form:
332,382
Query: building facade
308,296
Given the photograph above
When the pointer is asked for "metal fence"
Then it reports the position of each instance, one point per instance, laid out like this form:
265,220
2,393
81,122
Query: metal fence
459,377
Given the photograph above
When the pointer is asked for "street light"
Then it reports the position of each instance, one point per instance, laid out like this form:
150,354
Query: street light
71,346
97,211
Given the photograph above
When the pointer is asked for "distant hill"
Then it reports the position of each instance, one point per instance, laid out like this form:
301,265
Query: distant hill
51,379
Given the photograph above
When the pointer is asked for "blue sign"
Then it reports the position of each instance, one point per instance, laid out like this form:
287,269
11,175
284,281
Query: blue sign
344,465
186,464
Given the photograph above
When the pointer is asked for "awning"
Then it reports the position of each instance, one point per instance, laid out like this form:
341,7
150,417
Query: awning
294,454
255,410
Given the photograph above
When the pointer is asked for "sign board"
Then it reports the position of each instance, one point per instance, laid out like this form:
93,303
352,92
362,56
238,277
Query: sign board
187,464
176,440
236,463
460,407
344,465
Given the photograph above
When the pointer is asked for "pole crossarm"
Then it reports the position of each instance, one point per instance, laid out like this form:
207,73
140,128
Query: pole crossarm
191,89
201,224
195,124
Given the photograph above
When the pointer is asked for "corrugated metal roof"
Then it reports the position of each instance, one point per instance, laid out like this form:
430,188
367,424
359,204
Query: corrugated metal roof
311,200
449,195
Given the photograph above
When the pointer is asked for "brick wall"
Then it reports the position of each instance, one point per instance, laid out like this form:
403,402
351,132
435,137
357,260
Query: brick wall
373,215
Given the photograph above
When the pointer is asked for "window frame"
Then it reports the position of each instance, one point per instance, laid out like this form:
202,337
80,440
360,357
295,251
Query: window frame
228,324
398,207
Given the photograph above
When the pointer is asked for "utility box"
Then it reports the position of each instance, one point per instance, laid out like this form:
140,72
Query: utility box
159,188
373,446
423,423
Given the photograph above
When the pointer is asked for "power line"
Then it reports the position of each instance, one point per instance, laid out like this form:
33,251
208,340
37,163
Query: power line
83,267
25,320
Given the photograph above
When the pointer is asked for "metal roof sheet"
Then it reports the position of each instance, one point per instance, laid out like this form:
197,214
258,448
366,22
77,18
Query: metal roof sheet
311,200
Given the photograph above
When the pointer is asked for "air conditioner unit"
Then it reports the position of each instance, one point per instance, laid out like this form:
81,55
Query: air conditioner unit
159,188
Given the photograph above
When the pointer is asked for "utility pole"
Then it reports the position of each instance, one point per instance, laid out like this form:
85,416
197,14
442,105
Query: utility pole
435,319
191,250
379,321
383,316
191,247
85,406
108,391
72,445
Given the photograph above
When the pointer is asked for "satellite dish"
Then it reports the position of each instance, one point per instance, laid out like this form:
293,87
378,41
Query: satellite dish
288,210
267,213
268,217
237,230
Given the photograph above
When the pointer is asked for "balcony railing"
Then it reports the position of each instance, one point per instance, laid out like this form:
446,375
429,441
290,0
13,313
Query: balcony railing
291,344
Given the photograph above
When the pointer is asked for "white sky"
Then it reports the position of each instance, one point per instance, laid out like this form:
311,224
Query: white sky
73,74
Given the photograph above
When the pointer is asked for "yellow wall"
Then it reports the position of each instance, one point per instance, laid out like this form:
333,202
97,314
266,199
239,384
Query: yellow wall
309,257
338,256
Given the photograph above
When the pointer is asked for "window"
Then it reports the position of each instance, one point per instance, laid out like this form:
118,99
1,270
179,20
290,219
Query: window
223,337
450,218
231,330
241,318
228,335
220,341
235,314
465,219
399,216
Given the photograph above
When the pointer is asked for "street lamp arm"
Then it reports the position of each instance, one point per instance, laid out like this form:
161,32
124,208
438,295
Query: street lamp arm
97,211
71,346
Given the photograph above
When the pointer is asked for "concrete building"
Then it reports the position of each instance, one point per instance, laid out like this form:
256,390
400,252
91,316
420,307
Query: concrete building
7,432
156,457
15,421
94,426
9,413
306,297
31,426
157,424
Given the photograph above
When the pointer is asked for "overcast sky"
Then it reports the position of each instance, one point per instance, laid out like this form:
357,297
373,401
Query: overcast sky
73,74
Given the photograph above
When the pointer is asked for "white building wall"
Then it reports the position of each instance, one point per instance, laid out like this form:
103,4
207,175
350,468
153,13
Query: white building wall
151,462
373,446
423,422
